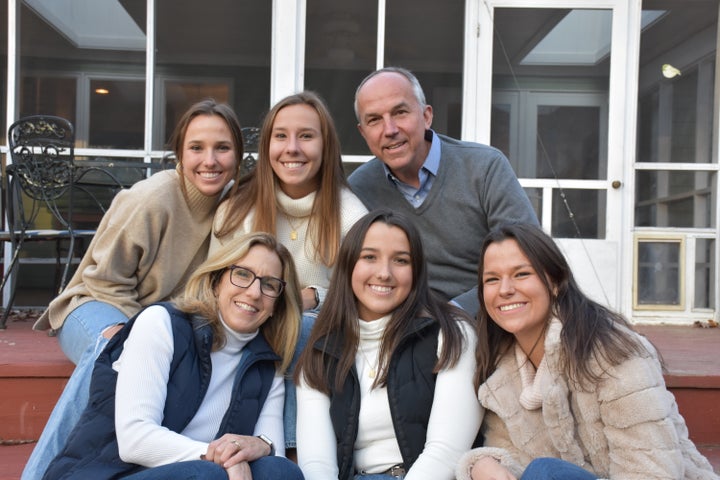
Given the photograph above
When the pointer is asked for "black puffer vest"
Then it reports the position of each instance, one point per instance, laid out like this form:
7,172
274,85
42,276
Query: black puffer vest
92,450
411,386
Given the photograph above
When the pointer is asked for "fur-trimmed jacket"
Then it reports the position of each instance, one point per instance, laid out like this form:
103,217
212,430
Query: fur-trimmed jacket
627,426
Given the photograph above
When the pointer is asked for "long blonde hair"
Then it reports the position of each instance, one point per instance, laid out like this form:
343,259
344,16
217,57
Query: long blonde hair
281,330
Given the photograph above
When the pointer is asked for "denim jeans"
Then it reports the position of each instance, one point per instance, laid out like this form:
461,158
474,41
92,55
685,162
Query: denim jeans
555,469
290,413
264,468
81,340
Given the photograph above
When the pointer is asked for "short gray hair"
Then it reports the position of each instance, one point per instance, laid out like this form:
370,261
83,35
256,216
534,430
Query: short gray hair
417,88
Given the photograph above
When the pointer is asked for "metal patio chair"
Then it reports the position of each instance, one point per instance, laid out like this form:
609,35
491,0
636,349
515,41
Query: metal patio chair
39,180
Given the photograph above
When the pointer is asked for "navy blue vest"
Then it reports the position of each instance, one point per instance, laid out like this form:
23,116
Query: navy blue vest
411,387
91,450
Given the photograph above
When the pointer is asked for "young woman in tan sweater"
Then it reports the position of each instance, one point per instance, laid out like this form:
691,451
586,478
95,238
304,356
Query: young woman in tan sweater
146,246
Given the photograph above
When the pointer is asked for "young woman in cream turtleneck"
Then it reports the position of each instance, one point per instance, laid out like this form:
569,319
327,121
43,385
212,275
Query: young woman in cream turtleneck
297,192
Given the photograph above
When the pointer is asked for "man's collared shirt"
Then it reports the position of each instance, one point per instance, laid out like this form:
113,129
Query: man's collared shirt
427,174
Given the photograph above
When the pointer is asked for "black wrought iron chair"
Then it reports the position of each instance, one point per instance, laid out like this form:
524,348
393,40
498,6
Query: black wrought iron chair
251,138
39,179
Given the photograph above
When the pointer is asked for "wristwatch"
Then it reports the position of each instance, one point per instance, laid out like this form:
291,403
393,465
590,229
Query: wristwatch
317,296
269,443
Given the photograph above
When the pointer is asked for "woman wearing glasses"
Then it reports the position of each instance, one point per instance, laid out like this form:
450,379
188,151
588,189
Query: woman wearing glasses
194,388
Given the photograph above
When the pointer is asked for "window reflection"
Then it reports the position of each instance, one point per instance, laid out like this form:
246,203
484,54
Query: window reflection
340,49
705,265
550,105
60,54
677,199
224,53
427,38
575,213
117,113
658,273
48,95
675,115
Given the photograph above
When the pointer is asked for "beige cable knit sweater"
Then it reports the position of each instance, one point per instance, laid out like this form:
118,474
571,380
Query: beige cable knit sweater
628,427
147,244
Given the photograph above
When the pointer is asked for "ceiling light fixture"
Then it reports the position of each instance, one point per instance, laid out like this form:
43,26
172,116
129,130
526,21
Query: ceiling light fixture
669,71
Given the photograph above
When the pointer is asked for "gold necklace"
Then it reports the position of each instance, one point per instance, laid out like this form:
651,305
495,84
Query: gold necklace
293,228
372,371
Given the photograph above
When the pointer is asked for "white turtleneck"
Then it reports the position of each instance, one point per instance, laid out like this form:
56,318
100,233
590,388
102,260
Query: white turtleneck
294,215
143,372
376,448
453,425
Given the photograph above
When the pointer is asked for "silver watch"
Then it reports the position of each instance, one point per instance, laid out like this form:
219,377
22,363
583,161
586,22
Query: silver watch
269,443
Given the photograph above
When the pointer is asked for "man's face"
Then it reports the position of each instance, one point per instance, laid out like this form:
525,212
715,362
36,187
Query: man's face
393,124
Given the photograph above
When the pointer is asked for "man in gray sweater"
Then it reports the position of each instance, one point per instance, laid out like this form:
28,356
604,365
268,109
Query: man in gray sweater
454,191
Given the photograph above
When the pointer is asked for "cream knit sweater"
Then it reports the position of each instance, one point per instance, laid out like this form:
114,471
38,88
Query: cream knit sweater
310,271
147,244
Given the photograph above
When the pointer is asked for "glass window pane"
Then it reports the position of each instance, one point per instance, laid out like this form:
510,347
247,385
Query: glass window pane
48,95
500,128
340,49
535,195
568,142
555,63
117,113
427,38
225,55
680,199
658,273
578,213
62,45
676,83
705,265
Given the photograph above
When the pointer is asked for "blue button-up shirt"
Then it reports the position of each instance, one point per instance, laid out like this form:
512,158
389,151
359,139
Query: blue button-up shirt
427,174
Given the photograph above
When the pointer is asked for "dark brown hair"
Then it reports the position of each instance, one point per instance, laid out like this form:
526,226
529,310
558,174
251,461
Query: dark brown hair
590,331
339,316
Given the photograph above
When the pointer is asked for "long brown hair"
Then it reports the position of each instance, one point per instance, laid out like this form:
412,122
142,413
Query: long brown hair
257,190
207,107
590,331
339,316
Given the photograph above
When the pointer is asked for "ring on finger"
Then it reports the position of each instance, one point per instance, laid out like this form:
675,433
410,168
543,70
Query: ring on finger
237,444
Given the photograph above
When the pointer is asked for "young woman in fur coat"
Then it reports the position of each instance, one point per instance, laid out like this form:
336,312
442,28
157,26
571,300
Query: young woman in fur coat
569,390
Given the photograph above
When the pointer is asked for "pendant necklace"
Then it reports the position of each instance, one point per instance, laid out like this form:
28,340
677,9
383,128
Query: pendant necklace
372,371
293,228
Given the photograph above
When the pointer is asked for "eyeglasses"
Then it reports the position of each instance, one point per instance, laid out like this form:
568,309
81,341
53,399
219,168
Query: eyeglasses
244,277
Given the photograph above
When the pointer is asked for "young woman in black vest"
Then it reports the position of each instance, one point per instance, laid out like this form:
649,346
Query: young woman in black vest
385,381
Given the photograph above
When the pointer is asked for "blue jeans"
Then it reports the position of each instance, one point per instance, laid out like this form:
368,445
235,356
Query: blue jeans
555,469
264,468
290,413
81,340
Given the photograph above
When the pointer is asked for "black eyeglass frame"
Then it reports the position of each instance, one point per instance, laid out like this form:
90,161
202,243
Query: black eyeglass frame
283,283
